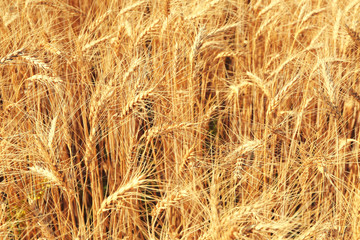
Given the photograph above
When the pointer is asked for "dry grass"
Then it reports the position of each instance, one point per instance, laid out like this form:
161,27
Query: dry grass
223,119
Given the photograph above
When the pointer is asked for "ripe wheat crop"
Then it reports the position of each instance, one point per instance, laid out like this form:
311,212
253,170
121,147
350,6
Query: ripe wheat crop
172,119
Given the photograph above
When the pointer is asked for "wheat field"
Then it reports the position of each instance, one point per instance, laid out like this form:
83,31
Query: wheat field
179,119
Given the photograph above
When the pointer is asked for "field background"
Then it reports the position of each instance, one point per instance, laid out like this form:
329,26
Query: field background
179,119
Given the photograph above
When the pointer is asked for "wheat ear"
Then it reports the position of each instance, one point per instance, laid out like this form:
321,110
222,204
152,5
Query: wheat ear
145,32
274,103
353,34
133,103
162,130
52,175
172,199
311,14
11,55
35,61
132,185
90,45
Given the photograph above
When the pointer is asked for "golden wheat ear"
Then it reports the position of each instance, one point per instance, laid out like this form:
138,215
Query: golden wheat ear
353,34
11,55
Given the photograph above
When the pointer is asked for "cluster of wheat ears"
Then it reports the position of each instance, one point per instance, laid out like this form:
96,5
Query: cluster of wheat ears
179,119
